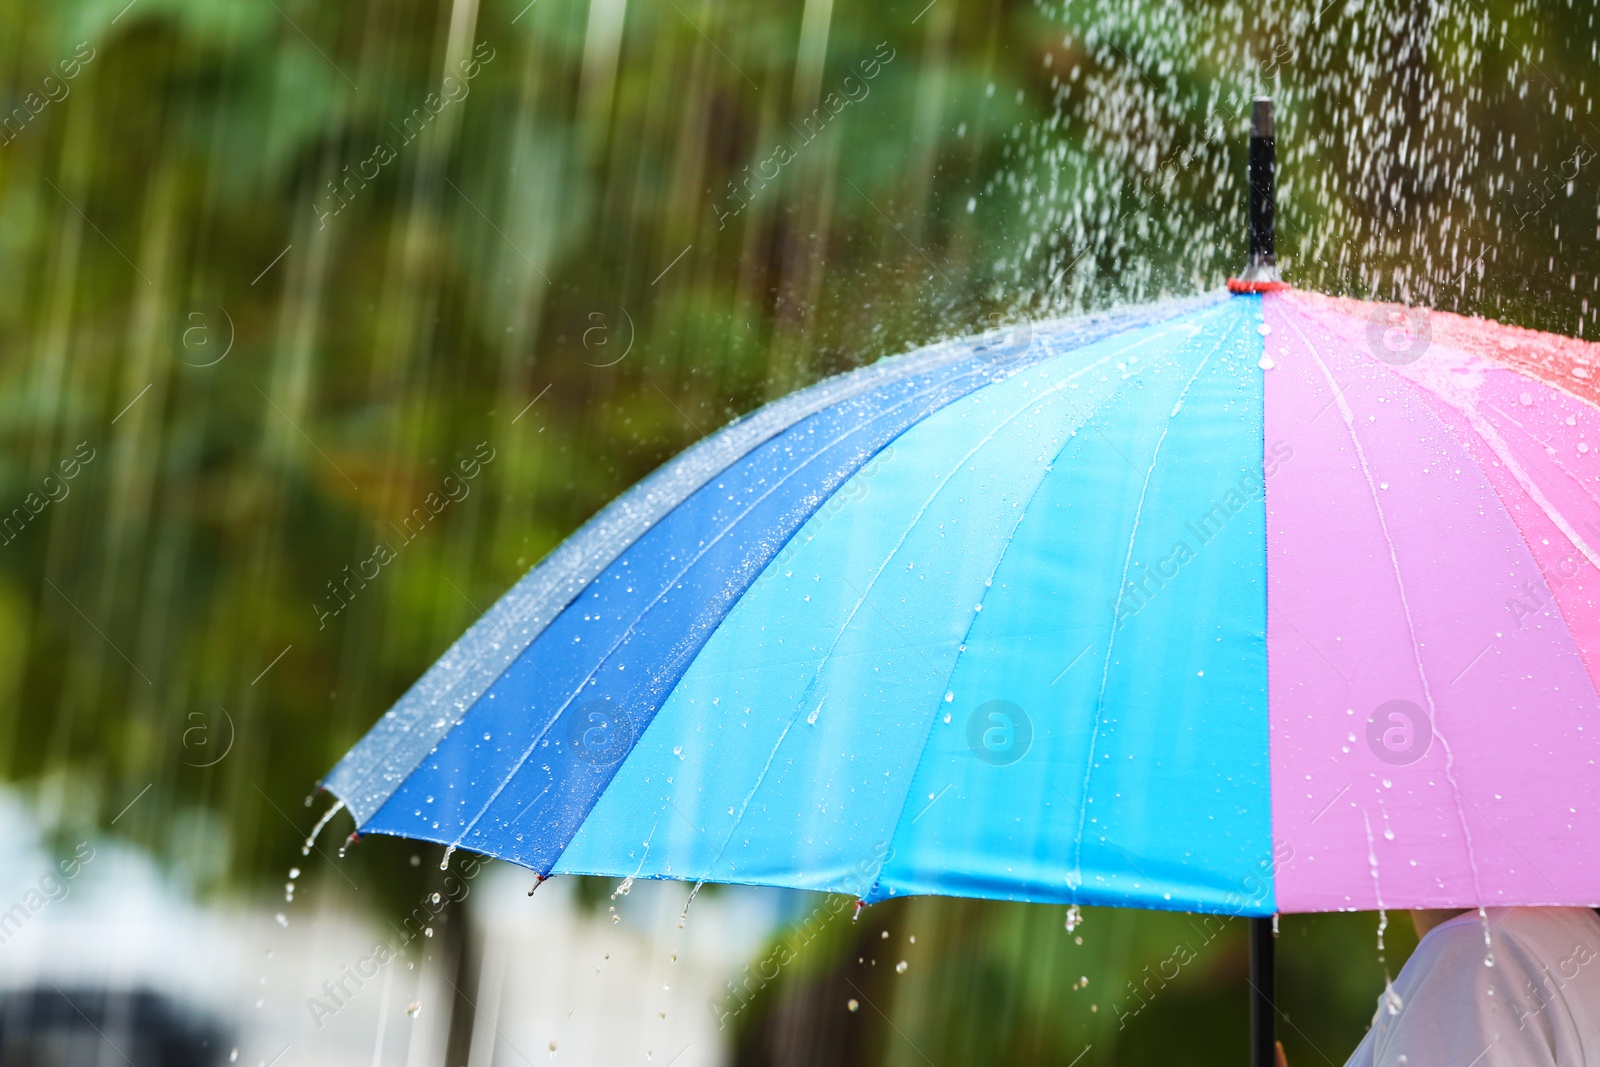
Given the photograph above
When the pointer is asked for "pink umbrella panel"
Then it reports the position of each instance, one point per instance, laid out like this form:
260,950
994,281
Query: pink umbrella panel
1432,556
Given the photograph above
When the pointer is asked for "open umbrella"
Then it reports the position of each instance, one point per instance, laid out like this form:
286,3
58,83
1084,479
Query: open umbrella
1245,604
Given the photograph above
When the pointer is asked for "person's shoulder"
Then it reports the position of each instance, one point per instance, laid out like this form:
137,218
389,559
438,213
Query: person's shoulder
1547,930
1459,942
1519,939
1560,921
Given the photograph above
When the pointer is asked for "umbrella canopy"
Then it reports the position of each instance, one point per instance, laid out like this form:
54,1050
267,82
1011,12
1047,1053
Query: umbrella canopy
1245,604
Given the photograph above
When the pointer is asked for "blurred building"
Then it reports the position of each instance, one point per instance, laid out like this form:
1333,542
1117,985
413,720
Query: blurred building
105,959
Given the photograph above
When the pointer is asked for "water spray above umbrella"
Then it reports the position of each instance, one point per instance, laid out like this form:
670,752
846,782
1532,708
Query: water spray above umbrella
1245,604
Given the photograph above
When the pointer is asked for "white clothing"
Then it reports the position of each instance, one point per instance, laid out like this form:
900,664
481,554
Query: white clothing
1538,1005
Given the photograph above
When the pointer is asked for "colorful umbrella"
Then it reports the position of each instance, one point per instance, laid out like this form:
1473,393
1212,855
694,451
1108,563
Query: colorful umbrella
1245,604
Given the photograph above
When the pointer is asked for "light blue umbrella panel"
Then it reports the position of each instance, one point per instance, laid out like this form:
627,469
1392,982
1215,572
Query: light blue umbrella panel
876,638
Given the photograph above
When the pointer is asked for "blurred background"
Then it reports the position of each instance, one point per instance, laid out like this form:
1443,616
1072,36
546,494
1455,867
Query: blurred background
276,267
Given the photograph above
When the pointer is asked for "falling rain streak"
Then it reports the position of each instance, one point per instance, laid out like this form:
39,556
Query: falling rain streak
406,220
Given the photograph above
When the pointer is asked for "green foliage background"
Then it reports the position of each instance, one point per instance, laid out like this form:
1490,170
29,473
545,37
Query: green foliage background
549,272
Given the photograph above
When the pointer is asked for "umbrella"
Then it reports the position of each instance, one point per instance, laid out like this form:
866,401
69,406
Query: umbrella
1253,603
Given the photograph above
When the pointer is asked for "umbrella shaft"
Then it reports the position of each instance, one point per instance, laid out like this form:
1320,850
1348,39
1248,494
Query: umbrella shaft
1263,162
1263,993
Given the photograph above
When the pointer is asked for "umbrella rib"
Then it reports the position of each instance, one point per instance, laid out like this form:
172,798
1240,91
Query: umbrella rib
1491,437
805,700
802,405
748,797
616,525
894,829
1032,402
705,548
1111,639
1405,605
1577,482
862,597
905,799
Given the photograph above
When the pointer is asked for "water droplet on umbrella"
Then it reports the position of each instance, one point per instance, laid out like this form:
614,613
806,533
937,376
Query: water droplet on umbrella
444,864
685,915
1265,363
311,838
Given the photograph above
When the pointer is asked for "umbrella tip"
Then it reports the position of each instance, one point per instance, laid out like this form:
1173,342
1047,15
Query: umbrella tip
1260,274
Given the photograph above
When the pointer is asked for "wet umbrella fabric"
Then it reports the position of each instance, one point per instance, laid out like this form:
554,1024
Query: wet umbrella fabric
1230,605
